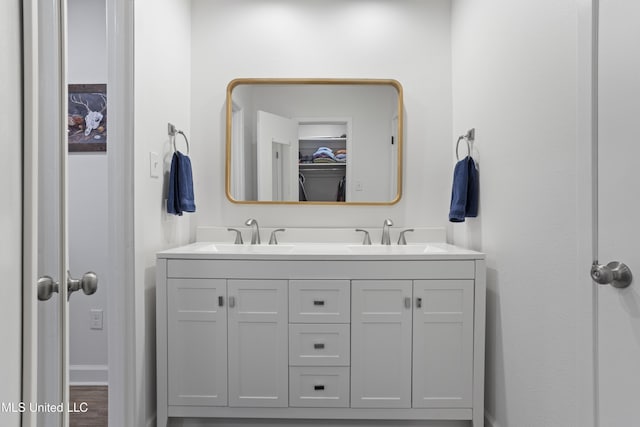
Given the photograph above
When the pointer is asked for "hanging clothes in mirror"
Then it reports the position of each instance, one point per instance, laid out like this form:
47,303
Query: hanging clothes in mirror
342,184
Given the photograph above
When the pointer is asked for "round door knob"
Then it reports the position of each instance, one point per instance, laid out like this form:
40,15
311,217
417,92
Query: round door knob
89,283
46,287
615,274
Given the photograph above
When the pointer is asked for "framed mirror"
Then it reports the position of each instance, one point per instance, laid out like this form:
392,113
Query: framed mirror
314,141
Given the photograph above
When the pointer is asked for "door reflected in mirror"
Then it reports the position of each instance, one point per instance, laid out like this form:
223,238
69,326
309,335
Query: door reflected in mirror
325,141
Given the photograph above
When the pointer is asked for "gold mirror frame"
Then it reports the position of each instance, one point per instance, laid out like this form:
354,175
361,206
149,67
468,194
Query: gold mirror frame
311,81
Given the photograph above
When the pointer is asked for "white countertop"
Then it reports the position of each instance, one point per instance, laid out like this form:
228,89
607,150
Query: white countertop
320,251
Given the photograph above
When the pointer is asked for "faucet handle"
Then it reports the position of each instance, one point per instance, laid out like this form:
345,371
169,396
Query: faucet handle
238,240
367,239
401,239
273,240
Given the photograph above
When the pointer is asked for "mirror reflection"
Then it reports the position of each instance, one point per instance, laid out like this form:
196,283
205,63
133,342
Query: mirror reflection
314,141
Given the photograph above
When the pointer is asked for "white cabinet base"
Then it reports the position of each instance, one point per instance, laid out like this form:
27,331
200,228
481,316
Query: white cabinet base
327,348
322,413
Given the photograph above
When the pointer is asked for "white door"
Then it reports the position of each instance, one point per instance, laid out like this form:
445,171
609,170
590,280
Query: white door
381,343
258,343
197,319
443,343
277,158
46,345
47,281
618,313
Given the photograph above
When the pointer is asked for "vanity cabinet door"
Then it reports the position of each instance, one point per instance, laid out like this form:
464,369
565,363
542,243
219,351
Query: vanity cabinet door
381,343
443,343
197,342
258,343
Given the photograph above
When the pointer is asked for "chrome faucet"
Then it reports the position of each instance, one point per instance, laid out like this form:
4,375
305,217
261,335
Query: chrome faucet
255,232
386,240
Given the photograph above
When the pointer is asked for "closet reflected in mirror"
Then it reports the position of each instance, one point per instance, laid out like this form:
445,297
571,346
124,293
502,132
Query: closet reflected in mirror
325,141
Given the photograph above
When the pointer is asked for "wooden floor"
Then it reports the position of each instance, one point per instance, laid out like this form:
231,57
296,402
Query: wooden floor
93,399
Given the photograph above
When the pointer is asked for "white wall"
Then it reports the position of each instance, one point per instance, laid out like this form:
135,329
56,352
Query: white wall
515,81
407,40
162,95
10,216
87,199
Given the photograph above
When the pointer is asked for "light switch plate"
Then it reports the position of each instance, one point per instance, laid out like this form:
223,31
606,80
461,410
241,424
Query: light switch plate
155,167
95,318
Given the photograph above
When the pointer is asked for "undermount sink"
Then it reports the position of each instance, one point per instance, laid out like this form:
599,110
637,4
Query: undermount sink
394,249
270,249
322,249
246,249
220,247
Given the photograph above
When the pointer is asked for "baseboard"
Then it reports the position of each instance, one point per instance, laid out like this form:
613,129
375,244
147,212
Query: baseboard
190,422
489,421
88,375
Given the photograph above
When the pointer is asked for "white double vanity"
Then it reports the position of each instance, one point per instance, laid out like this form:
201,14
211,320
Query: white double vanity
321,330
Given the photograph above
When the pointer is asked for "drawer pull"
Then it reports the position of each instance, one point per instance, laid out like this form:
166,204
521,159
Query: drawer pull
318,346
318,387
419,302
220,301
318,302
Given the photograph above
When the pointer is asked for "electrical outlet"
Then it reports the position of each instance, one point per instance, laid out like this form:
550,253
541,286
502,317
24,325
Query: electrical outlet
95,318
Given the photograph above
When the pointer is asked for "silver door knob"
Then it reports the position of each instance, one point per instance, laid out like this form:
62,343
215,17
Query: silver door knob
615,274
47,286
88,283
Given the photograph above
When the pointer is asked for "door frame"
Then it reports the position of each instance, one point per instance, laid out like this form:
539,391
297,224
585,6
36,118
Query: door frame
238,186
586,149
29,213
126,407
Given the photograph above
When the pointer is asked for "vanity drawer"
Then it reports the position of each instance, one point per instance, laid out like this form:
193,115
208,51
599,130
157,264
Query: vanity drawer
319,301
319,345
319,387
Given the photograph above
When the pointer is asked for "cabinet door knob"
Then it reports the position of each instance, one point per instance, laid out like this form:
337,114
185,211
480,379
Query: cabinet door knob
419,302
232,302
220,301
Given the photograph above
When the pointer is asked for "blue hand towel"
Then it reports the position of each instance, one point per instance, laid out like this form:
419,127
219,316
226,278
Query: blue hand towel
473,191
180,198
465,191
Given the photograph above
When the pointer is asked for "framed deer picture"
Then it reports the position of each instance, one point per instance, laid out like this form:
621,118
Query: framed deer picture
87,117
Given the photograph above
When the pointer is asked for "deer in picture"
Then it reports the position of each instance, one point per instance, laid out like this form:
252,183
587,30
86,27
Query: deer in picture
93,118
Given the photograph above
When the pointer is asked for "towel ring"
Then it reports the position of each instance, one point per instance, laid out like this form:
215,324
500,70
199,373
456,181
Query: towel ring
185,139
468,137
458,144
